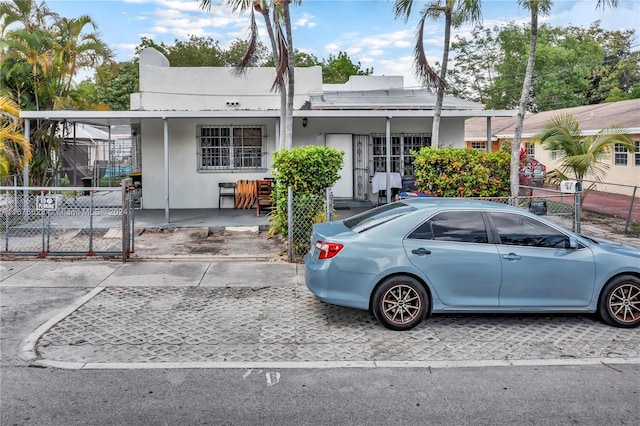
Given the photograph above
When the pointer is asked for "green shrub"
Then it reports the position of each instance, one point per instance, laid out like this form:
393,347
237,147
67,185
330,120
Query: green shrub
461,172
308,170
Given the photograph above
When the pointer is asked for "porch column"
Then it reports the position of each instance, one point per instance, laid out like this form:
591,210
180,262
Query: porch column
388,164
25,172
165,123
488,134
277,135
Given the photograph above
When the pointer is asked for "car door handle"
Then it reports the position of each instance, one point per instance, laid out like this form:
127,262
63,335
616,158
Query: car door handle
511,256
421,251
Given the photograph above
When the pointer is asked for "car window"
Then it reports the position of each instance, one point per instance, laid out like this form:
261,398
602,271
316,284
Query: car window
519,230
458,226
374,217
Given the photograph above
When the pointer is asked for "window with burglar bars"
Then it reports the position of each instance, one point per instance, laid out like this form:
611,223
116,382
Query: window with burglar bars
530,148
637,153
230,147
401,147
619,155
479,146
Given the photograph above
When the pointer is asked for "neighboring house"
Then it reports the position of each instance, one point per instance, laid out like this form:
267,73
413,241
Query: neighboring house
624,167
194,127
93,152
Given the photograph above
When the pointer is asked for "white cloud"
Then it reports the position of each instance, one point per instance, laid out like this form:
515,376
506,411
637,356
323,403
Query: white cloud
306,20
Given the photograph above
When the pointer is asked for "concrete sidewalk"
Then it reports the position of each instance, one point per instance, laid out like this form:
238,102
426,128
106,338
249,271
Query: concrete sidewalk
250,314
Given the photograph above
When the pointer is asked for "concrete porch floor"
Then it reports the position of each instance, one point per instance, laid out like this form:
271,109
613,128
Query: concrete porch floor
213,218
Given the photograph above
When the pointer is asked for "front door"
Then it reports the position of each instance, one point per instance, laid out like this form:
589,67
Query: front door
343,188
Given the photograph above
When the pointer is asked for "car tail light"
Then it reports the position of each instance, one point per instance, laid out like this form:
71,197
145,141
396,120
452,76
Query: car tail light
328,250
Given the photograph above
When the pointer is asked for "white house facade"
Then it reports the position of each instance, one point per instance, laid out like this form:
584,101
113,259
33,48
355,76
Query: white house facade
194,127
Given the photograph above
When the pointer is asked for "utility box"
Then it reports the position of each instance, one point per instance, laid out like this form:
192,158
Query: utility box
570,186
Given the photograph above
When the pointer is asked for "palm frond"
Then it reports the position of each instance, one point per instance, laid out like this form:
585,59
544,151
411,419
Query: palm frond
252,44
423,71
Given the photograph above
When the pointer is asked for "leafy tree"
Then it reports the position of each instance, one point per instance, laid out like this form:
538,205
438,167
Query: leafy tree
455,12
41,54
581,156
234,55
300,59
536,7
15,151
475,72
338,69
574,66
112,87
196,52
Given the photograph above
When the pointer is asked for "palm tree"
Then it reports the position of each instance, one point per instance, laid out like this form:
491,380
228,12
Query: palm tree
75,49
456,12
25,12
537,8
39,61
15,151
581,156
282,50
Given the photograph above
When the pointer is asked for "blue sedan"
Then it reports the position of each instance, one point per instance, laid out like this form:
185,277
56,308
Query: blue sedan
407,259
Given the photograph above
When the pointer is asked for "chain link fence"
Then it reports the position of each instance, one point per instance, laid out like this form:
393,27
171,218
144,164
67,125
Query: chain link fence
63,221
303,212
555,206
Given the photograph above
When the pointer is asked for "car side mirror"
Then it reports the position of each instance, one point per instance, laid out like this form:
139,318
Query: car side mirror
573,243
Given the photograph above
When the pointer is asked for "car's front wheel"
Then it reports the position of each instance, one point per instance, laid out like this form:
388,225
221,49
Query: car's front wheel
400,303
620,302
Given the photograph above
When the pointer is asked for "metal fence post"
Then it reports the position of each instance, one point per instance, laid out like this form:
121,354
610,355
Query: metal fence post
90,253
328,206
633,198
577,208
290,221
6,222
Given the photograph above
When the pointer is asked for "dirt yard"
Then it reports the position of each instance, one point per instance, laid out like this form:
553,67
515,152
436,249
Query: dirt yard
201,242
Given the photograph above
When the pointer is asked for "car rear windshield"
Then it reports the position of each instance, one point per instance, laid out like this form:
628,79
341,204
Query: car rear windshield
374,217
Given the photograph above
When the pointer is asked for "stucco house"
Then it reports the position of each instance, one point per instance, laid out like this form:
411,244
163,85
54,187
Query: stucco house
624,167
194,127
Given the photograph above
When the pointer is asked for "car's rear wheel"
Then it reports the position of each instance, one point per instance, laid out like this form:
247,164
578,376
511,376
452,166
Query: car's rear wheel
620,302
400,303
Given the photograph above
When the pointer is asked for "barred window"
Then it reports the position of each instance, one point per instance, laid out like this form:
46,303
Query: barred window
637,153
230,147
401,147
619,155
531,149
479,146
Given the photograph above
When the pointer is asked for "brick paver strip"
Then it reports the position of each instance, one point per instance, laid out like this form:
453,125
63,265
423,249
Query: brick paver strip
161,325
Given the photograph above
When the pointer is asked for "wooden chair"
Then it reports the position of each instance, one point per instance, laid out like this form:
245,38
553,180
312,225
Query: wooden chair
226,189
246,194
264,188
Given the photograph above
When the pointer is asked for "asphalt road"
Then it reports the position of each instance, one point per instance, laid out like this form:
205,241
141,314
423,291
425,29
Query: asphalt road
594,394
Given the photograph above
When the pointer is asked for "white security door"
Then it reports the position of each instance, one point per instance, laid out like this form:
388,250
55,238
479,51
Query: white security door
343,188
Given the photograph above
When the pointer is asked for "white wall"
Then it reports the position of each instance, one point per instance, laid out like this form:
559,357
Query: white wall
189,188
192,189
167,88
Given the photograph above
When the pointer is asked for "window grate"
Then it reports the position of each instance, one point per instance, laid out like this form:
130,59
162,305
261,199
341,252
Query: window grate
231,147
401,147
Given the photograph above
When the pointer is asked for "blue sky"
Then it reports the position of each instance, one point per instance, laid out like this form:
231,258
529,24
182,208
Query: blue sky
365,29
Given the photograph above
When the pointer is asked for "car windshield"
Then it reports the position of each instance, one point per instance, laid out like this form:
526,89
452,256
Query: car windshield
374,217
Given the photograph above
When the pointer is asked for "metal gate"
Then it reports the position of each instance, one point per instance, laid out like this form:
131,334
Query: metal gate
360,166
64,221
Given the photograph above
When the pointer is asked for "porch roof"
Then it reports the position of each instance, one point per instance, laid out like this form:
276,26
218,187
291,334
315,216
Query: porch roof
111,118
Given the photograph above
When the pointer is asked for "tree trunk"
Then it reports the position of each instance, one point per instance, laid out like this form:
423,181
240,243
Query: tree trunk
435,129
291,80
526,88
283,90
